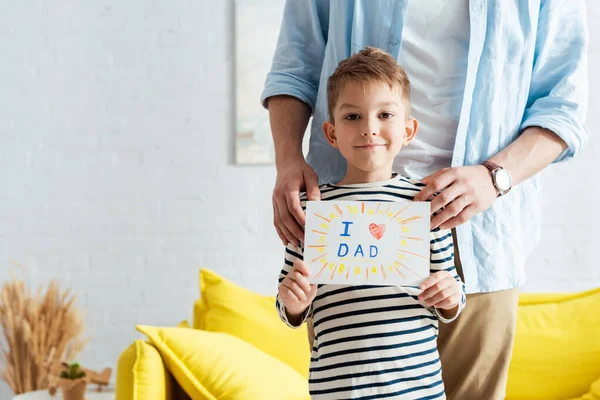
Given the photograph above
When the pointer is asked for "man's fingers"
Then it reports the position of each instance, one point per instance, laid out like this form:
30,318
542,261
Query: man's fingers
433,176
295,217
422,196
281,235
287,223
460,219
312,185
436,184
445,197
277,223
452,210
292,200
286,233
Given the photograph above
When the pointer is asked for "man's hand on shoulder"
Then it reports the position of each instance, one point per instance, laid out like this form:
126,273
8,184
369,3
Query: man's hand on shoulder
462,191
288,217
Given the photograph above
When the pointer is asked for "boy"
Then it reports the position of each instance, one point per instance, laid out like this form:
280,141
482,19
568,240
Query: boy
372,342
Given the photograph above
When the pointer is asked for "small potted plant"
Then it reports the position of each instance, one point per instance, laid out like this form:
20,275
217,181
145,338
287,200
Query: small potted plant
72,382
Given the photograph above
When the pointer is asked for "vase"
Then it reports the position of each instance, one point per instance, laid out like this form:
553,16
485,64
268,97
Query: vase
72,389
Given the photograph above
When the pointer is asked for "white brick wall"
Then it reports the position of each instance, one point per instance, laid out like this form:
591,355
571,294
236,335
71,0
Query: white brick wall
115,165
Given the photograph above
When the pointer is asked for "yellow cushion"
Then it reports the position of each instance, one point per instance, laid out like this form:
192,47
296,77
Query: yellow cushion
593,394
212,365
141,375
227,307
557,346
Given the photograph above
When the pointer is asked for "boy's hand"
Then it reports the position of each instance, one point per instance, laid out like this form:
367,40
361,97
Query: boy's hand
295,292
441,290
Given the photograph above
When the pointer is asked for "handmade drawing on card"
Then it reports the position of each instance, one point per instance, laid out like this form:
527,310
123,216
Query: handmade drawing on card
367,243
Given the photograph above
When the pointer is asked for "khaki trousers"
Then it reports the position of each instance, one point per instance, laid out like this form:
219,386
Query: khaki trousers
475,349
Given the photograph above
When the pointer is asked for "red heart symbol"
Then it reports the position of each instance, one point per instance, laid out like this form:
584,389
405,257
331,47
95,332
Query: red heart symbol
377,230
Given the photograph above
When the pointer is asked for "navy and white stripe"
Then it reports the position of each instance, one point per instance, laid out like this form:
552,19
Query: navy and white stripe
375,342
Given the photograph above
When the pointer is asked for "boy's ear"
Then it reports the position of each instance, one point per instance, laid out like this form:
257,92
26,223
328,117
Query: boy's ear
329,132
412,125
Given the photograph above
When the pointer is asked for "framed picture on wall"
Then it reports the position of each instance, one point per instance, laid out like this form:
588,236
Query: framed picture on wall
257,25
256,31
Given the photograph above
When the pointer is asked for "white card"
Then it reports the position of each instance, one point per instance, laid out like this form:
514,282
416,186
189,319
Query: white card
367,243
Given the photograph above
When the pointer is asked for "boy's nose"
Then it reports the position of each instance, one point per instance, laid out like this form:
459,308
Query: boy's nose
370,127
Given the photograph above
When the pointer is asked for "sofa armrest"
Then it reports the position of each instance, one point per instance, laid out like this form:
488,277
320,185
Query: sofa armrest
141,375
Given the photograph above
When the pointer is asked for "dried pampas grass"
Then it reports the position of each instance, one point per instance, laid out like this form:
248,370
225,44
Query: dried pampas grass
34,328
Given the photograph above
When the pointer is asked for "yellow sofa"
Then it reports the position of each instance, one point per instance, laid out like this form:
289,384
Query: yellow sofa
237,348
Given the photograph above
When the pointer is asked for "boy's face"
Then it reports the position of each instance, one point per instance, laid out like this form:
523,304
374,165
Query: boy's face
370,126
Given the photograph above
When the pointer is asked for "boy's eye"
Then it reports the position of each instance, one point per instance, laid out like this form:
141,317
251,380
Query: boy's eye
386,115
352,117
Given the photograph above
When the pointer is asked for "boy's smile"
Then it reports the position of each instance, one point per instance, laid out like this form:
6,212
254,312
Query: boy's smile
371,146
370,127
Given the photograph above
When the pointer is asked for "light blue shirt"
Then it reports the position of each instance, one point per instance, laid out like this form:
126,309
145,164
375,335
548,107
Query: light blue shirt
527,66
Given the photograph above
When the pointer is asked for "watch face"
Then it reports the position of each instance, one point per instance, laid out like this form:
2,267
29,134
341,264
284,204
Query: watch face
503,180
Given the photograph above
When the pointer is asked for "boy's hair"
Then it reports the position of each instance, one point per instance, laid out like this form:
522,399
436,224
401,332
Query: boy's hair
368,66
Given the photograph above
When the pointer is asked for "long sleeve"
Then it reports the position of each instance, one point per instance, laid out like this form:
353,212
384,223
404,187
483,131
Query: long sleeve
291,253
442,258
300,50
558,94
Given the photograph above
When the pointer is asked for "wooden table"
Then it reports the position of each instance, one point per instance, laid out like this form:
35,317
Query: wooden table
91,394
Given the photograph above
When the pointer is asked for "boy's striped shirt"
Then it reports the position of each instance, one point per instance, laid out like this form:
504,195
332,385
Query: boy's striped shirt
375,342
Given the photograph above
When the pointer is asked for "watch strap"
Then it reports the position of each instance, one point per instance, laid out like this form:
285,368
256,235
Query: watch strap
492,166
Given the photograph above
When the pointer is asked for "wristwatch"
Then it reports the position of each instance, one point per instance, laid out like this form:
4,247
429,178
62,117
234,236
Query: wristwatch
500,177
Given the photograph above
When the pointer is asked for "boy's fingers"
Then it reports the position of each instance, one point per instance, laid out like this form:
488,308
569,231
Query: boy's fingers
301,267
313,291
296,289
300,280
449,302
439,296
431,280
287,292
435,289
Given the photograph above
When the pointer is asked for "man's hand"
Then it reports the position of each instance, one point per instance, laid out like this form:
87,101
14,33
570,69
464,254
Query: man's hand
295,292
463,191
442,291
289,218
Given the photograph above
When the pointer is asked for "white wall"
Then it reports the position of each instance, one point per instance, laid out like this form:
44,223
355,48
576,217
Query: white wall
115,166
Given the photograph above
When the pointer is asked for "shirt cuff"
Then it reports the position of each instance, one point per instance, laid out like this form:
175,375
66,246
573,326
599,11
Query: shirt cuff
461,306
283,314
